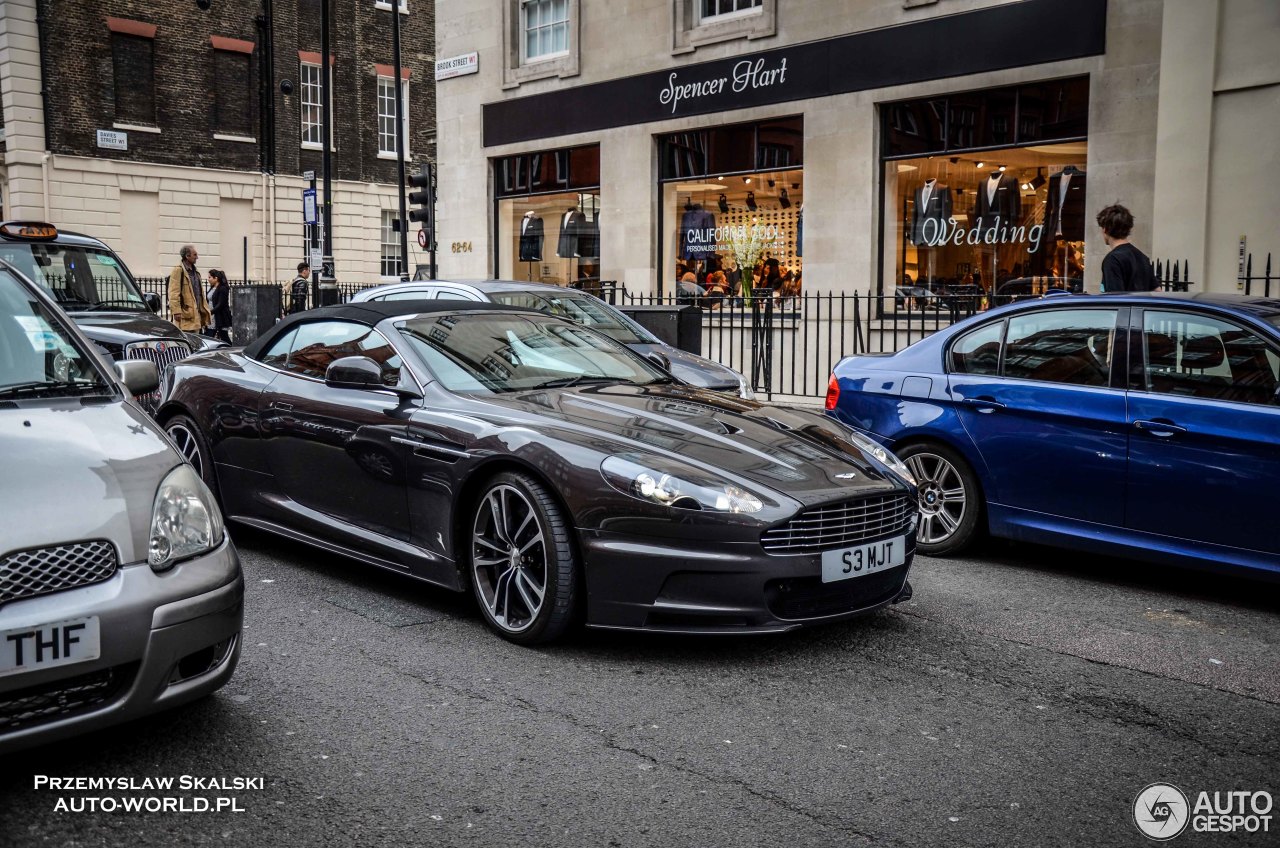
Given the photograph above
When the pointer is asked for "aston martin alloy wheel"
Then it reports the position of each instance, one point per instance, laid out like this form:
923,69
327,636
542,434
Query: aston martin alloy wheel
523,569
949,498
194,448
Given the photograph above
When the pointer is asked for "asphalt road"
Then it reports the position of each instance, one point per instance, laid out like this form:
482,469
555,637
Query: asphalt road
1022,698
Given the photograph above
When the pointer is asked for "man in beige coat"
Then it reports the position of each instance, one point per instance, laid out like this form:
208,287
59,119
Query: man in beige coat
186,293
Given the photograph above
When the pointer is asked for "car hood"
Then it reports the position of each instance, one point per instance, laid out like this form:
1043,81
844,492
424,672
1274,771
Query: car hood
692,369
122,328
796,453
80,470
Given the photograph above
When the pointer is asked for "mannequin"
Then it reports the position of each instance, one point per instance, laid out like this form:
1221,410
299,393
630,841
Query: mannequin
572,224
531,237
1065,212
998,198
697,230
933,200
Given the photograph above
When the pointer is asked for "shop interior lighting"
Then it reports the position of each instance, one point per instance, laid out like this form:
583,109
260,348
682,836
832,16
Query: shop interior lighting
980,164
751,200
1038,180
747,180
783,200
1002,169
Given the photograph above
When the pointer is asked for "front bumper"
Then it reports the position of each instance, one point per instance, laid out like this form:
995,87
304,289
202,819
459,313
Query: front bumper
643,583
166,639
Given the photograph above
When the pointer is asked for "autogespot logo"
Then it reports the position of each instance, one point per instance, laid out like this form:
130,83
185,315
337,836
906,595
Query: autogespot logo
1160,811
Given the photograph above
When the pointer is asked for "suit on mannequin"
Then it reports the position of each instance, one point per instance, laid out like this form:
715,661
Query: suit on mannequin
530,238
589,238
701,224
998,197
1065,216
572,224
933,200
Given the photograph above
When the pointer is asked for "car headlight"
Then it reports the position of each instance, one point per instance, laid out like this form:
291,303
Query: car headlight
185,521
883,455
680,488
744,388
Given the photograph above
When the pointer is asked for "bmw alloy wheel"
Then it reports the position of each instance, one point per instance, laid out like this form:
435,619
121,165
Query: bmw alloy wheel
943,500
509,559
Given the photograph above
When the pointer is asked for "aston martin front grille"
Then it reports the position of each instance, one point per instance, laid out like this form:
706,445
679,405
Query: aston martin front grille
840,525
39,571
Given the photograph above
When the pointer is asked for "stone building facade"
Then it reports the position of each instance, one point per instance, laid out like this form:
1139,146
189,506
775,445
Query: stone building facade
166,124
839,132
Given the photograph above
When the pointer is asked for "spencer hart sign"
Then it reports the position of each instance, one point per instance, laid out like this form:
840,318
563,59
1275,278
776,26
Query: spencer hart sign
930,49
747,74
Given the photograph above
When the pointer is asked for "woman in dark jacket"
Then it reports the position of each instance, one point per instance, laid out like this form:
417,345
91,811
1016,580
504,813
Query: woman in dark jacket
220,305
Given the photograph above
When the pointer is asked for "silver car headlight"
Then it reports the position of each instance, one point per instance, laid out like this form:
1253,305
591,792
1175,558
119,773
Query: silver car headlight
744,388
883,455
185,521
676,487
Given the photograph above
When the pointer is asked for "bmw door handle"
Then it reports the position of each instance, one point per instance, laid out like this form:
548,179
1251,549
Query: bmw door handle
985,405
283,407
1159,427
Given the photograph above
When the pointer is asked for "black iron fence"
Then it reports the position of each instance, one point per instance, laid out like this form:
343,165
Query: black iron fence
1250,283
342,293
788,345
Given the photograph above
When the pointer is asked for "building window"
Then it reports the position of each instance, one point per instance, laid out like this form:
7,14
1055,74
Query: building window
546,29
701,22
312,111
392,261
548,216
984,192
133,66
388,143
733,209
233,94
386,6
721,9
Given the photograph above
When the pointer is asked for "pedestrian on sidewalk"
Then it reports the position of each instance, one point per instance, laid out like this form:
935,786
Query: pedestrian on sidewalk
1125,268
220,303
186,293
298,289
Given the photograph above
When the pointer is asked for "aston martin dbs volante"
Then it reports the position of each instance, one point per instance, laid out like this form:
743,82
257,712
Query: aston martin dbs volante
547,468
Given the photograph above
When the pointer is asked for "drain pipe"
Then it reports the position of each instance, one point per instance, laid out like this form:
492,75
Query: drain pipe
44,179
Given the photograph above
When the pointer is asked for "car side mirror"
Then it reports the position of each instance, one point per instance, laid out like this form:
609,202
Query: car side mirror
152,300
140,376
354,372
659,360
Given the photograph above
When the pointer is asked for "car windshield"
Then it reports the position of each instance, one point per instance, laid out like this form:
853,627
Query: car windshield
38,358
79,278
581,309
487,353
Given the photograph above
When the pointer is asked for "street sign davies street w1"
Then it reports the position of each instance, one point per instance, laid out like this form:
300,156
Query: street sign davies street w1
309,214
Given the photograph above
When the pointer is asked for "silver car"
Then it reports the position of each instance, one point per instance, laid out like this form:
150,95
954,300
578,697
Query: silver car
120,593
579,307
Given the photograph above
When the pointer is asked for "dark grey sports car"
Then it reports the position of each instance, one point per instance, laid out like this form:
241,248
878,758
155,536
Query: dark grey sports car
548,468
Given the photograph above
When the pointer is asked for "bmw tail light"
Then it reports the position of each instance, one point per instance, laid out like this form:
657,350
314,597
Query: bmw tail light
833,393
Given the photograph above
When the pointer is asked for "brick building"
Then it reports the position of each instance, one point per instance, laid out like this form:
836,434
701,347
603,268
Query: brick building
154,125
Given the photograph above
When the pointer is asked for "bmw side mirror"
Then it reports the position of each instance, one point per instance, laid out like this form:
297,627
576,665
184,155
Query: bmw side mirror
152,300
139,376
354,372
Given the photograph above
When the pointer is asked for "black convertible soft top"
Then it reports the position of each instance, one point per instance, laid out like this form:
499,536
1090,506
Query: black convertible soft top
371,312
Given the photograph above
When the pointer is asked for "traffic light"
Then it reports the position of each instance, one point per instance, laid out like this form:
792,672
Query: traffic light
423,199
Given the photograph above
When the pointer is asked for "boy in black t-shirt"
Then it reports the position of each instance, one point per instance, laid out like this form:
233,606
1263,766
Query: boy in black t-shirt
1125,268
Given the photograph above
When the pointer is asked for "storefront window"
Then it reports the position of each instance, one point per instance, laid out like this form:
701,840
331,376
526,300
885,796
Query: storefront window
548,216
985,191
733,210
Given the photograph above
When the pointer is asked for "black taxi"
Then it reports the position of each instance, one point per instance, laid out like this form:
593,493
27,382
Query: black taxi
95,288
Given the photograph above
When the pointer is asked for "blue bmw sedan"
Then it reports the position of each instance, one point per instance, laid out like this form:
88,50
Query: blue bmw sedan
1142,425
